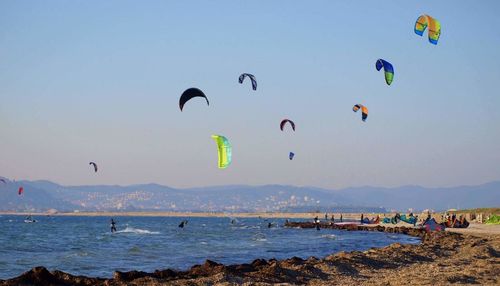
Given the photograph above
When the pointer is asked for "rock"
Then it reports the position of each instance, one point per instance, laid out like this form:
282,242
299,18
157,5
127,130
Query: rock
129,276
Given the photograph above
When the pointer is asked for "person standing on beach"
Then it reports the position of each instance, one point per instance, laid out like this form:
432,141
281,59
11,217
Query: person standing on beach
362,218
341,217
428,217
113,226
326,216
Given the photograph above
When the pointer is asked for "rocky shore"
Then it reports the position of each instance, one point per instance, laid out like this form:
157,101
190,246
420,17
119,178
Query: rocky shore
441,259
418,232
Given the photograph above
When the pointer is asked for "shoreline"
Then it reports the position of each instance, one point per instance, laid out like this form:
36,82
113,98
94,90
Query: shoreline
442,258
349,216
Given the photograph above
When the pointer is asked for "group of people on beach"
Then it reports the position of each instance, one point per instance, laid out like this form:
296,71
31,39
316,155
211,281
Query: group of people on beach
454,222
365,220
332,217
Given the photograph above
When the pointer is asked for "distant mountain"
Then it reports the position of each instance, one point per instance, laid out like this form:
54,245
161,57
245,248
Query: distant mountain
34,198
44,195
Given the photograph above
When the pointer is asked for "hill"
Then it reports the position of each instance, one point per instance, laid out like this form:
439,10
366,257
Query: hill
44,195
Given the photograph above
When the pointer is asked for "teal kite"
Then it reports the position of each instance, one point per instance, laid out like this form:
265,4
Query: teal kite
224,149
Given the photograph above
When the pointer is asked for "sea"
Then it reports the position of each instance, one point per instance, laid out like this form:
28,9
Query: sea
85,245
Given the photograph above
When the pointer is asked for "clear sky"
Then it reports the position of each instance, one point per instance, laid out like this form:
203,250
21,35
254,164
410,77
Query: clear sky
100,81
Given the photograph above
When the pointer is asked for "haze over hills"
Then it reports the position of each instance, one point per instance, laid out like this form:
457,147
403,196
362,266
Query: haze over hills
45,195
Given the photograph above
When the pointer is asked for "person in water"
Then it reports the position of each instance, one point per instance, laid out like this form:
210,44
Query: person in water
183,223
113,225
29,218
316,222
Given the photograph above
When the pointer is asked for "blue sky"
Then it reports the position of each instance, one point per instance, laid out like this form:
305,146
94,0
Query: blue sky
100,81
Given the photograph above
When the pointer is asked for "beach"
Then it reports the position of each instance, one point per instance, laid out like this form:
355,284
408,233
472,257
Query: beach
443,258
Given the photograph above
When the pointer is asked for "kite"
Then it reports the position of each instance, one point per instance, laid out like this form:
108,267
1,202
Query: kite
95,166
190,93
224,149
291,155
434,32
283,123
364,111
388,70
252,78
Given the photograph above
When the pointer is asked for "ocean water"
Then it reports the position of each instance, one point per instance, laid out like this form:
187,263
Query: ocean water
85,245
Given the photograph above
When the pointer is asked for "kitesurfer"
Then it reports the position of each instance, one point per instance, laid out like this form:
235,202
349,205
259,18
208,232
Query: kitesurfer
316,222
183,223
113,225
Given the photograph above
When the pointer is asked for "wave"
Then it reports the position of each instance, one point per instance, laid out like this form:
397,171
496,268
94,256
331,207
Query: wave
328,236
246,227
259,237
130,229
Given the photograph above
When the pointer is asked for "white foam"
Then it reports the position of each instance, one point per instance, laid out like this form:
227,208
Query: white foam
259,237
130,229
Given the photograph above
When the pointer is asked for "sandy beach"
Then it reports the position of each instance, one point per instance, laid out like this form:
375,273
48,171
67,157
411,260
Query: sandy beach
466,256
